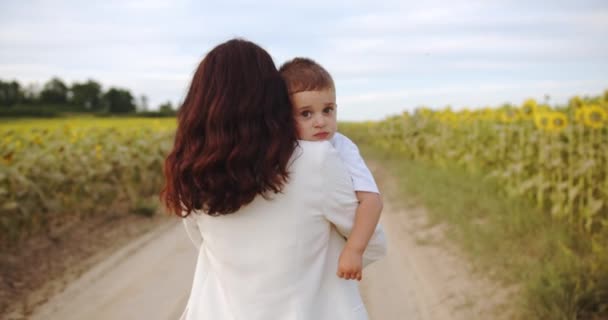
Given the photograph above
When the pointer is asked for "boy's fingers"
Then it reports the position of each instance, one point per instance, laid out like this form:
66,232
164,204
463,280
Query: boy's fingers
350,275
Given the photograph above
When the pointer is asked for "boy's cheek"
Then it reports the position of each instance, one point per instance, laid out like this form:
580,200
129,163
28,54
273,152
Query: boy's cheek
300,130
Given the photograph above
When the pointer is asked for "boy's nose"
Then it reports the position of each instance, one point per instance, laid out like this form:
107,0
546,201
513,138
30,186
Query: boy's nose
319,122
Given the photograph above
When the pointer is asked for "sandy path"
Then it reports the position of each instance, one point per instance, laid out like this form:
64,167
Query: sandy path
394,287
420,279
148,279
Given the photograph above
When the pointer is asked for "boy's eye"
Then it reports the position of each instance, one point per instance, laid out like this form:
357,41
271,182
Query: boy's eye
306,114
328,110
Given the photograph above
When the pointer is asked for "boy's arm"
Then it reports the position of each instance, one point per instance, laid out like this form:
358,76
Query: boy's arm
366,219
352,259
365,242
340,206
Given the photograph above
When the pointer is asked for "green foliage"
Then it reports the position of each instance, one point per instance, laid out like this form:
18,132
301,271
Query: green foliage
10,93
146,207
57,96
87,95
119,101
166,108
55,91
27,111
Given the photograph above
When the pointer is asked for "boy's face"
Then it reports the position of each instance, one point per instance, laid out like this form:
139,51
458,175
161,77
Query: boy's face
315,113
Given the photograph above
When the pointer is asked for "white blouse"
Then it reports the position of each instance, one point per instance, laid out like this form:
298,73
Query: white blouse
277,259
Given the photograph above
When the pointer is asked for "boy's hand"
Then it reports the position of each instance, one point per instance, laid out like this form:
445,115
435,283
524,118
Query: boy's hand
350,264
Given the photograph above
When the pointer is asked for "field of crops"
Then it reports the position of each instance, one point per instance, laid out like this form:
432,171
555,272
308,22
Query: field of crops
546,169
55,172
556,157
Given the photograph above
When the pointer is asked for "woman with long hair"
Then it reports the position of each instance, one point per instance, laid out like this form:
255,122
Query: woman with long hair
268,213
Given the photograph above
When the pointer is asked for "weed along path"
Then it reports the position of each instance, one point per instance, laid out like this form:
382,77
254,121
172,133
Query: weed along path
420,279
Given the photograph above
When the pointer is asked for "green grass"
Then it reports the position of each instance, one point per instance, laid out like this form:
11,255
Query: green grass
557,272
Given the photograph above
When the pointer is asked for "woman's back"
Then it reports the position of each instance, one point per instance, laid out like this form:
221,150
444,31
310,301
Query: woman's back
277,258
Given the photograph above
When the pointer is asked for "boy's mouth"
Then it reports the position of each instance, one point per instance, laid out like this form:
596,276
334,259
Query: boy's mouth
321,135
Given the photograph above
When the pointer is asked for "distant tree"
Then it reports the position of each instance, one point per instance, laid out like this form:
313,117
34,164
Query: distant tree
54,92
143,103
119,101
166,107
86,95
10,93
31,93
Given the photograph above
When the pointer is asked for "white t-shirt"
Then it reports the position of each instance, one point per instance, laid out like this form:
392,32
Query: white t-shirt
363,180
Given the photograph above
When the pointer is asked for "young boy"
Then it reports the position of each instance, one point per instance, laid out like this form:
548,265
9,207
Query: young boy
313,97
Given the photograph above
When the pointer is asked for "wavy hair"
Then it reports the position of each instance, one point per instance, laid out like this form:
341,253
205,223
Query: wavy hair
235,133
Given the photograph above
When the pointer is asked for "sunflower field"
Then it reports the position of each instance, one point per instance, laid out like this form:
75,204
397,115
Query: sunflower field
556,157
552,158
55,172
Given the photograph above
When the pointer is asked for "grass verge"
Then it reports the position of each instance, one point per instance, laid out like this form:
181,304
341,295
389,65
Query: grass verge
560,273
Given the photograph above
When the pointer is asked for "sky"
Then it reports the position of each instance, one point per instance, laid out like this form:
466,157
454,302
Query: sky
385,56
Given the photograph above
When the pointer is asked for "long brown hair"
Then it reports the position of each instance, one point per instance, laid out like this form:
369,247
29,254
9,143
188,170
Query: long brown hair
235,133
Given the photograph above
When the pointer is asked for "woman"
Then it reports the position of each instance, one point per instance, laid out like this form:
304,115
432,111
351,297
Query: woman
267,213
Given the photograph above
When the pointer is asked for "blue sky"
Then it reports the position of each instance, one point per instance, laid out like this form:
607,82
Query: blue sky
385,56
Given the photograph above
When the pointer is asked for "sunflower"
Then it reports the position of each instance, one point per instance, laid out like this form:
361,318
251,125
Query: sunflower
579,115
424,111
98,151
450,119
37,140
7,159
543,121
559,122
510,115
528,109
594,116
465,115
576,103
489,114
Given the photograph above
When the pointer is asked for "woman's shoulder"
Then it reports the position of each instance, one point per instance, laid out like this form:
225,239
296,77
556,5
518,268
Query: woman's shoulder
318,160
314,152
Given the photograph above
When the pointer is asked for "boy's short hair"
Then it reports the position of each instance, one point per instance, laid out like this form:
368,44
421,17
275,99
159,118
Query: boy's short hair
304,74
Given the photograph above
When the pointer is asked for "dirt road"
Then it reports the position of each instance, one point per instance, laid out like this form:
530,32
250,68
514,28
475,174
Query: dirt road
150,279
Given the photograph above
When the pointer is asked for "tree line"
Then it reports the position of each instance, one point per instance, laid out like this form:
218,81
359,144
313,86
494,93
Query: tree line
86,96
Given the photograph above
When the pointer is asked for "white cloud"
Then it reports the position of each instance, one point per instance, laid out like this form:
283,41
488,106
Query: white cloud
397,54
357,107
